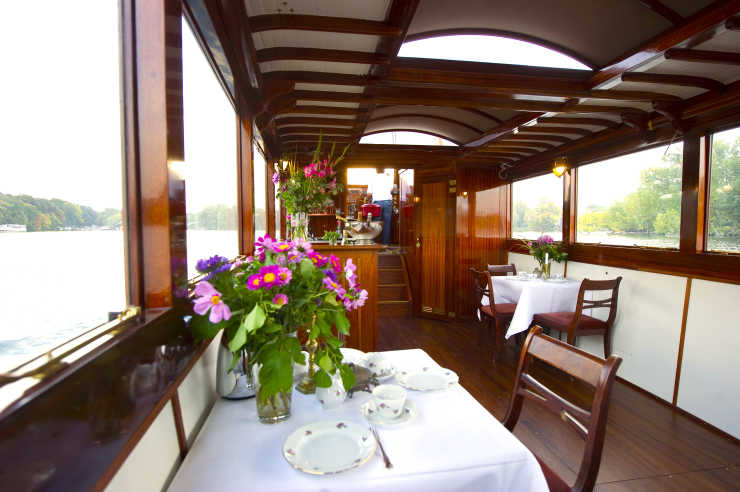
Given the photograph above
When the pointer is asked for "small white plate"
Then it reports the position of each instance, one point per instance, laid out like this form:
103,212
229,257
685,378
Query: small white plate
353,356
327,447
427,379
557,280
409,413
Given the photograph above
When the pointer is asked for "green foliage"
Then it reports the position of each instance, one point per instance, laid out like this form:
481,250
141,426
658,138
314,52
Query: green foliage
724,206
218,218
39,214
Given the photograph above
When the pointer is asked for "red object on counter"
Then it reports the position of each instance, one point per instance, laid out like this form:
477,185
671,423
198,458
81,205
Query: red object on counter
370,208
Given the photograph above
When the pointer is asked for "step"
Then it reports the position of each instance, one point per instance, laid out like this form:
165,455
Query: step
390,276
389,261
394,308
392,292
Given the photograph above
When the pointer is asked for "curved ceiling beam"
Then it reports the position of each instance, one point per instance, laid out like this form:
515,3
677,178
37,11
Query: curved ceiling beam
536,138
663,10
316,54
505,34
310,120
413,130
554,130
282,130
703,56
298,22
319,77
565,120
421,115
671,79
482,114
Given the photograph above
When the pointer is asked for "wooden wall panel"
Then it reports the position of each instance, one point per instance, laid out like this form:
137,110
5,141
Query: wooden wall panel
480,235
433,246
407,225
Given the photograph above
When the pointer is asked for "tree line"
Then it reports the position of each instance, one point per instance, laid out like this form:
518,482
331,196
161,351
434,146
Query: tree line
222,218
41,214
655,207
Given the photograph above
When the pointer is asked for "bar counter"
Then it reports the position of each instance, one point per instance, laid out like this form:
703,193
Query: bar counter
364,321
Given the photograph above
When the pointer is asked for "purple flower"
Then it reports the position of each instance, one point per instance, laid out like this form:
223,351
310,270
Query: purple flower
330,273
210,298
349,273
280,247
302,245
280,299
269,276
318,259
276,177
255,282
212,263
335,264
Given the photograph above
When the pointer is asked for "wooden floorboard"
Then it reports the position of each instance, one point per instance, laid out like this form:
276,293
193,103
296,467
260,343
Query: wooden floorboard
648,446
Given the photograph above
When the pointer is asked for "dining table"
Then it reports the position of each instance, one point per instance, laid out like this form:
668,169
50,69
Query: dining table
452,444
533,296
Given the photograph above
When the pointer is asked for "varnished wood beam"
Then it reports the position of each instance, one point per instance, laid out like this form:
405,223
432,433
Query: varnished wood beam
315,54
330,96
319,77
706,19
282,130
565,120
427,116
503,129
299,22
532,140
309,120
483,114
554,129
703,56
673,79
663,10
733,24
326,110
533,146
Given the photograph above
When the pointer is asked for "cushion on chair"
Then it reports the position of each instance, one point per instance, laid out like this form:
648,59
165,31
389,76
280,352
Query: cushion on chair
554,482
503,310
560,321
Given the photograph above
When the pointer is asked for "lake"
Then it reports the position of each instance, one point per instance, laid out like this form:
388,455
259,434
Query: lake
649,240
59,284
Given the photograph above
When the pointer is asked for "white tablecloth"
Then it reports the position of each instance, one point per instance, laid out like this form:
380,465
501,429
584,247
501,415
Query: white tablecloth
453,444
533,297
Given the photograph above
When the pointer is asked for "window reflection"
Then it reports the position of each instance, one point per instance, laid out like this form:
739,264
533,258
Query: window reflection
724,192
210,159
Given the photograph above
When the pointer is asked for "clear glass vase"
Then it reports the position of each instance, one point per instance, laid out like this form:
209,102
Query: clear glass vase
299,225
545,269
271,409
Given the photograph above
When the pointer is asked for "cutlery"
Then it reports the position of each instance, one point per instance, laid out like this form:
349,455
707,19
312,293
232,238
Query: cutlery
387,461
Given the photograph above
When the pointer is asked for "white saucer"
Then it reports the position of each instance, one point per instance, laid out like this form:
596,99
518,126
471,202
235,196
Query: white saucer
427,379
409,413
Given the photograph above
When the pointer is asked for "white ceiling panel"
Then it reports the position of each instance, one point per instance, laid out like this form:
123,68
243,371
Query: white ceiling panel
312,39
645,106
726,41
329,104
686,7
315,66
318,127
451,131
355,9
674,90
334,116
722,73
303,86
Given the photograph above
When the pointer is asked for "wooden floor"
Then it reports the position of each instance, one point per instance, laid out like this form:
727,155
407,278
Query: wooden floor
648,447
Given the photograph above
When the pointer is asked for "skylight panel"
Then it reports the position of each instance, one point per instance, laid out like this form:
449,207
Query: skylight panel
405,138
488,49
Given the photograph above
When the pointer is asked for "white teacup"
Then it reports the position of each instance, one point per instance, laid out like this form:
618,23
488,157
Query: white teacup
389,400
377,364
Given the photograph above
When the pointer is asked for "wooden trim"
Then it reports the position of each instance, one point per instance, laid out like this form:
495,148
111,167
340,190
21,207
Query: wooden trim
308,109
270,198
692,151
182,440
245,176
566,120
313,120
671,79
318,77
679,361
703,56
664,11
315,54
557,130
705,180
298,22
570,195
505,34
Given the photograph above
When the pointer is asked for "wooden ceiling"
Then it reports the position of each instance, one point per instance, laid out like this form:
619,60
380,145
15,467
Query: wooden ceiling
331,67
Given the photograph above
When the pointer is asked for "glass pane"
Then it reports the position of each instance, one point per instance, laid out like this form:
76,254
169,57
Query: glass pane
278,234
538,207
210,159
632,200
61,241
724,194
260,195
405,138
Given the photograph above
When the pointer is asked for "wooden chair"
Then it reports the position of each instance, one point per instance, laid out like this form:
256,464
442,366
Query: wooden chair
498,315
589,424
578,324
502,269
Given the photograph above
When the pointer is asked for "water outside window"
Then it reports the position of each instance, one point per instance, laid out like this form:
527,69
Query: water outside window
632,200
210,159
61,240
724,192
537,207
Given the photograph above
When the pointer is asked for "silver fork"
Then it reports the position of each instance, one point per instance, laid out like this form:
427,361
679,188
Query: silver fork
386,460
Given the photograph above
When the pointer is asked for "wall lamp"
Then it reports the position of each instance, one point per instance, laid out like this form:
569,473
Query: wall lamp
560,166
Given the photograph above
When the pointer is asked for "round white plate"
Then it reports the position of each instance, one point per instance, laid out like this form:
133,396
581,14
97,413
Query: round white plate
327,447
409,413
351,355
374,363
427,379
557,280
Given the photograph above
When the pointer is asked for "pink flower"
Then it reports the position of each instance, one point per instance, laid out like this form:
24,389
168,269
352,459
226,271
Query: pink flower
255,282
335,264
318,259
210,298
280,299
276,177
302,245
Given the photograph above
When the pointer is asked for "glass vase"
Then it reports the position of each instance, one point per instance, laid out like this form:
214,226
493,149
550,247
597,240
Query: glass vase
274,408
299,225
545,269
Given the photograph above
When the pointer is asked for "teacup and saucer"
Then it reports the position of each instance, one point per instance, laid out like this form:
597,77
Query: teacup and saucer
389,406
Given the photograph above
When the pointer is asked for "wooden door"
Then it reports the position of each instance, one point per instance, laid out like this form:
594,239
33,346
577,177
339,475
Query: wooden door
433,232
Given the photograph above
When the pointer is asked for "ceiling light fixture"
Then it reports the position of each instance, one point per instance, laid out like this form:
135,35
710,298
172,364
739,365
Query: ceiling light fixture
560,166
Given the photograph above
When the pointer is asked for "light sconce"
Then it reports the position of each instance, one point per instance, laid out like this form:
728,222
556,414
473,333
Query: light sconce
560,166
417,199
465,194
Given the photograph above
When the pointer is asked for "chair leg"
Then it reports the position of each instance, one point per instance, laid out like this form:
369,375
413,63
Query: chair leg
607,345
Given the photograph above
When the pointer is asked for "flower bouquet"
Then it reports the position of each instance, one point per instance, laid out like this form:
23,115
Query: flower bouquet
544,251
263,301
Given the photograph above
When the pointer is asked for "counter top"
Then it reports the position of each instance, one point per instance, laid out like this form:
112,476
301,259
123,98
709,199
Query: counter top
349,247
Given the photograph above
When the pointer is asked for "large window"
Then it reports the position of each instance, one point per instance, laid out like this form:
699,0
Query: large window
632,200
210,159
61,238
537,207
260,192
724,194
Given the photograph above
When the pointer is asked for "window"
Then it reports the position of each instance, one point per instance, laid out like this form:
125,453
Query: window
537,207
260,193
724,192
632,200
488,49
210,159
405,138
61,237
278,213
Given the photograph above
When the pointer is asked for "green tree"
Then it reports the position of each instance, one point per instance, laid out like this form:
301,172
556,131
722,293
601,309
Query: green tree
724,203
545,217
519,222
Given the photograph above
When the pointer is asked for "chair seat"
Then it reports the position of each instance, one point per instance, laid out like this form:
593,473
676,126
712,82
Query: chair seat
504,310
560,322
554,482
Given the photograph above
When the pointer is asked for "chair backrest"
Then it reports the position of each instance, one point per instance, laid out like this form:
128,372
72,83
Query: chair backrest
595,286
480,285
502,269
590,424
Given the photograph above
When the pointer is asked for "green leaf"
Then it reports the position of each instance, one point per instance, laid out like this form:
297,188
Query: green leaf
239,338
307,267
272,327
342,323
322,379
202,328
326,364
348,377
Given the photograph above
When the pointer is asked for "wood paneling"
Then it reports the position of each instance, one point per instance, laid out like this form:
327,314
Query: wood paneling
433,231
693,152
480,237
363,322
245,182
